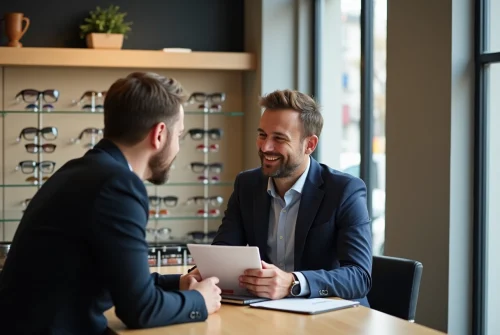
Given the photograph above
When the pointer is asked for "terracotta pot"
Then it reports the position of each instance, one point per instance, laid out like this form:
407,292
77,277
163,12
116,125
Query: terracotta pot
14,28
104,41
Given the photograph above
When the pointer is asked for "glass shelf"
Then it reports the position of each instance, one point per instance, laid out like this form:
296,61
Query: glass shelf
15,216
101,113
221,183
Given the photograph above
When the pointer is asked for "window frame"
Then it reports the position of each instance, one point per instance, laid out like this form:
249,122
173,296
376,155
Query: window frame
482,60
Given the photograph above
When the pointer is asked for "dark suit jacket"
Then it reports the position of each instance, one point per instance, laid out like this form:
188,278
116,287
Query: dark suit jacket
80,249
333,246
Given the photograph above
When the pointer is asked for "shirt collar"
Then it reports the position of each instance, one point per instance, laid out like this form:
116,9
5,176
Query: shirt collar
297,187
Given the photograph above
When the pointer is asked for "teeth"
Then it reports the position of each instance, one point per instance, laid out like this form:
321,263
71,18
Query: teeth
271,158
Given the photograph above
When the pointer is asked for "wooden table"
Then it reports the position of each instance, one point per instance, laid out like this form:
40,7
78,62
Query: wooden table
242,320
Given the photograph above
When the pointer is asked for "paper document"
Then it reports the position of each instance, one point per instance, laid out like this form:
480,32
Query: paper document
306,306
226,263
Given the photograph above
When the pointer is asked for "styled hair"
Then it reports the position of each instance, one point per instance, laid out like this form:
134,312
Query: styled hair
134,104
309,110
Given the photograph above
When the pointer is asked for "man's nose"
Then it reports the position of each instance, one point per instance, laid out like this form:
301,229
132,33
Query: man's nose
267,146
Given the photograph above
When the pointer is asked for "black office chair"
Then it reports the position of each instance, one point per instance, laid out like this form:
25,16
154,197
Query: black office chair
395,286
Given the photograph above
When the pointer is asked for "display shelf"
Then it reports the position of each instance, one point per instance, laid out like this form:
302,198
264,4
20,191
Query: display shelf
26,112
123,58
187,183
15,216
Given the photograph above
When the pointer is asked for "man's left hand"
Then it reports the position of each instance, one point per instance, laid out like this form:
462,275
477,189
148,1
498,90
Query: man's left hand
268,282
185,280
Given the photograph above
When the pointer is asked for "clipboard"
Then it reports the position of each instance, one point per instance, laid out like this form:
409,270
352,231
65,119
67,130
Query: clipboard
306,306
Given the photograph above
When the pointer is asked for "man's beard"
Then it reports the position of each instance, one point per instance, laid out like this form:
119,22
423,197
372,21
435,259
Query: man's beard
283,170
159,166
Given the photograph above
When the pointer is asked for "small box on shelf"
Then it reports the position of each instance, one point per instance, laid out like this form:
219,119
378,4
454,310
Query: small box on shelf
171,256
153,257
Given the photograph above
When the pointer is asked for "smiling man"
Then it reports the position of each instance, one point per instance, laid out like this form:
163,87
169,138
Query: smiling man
310,222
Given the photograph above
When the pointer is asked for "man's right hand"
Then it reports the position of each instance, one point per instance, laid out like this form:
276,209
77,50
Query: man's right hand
210,292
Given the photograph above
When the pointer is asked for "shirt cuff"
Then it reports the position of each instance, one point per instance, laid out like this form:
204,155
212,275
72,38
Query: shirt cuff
304,285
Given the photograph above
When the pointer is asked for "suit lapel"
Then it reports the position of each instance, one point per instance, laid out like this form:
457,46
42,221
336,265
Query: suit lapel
310,201
261,207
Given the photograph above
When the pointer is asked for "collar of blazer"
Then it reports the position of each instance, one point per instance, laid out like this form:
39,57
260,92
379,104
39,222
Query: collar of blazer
111,148
312,195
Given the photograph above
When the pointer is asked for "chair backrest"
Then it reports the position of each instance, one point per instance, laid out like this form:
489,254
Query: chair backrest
395,286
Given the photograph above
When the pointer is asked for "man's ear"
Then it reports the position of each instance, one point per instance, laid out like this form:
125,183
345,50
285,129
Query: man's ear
311,144
158,135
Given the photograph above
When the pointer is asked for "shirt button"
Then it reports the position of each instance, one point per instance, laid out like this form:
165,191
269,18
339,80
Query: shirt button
281,237
284,210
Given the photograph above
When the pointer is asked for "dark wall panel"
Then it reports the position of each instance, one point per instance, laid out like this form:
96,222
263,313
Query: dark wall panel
202,25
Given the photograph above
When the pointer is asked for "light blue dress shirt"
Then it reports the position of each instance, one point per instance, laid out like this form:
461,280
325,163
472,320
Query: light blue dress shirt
282,220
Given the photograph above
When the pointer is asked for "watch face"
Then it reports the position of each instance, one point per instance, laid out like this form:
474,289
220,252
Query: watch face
296,289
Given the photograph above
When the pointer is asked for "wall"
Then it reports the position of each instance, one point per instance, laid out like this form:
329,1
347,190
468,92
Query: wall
213,25
429,153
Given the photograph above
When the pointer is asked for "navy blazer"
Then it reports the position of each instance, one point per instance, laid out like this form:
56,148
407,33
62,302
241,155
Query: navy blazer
333,247
80,249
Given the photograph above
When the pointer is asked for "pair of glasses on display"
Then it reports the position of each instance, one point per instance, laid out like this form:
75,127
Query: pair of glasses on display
30,133
93,108
32,96
28,167
91,95
95,133
200,235
200,200
48,148
35,180
197,134
36,108
157,212
207,180
169,201
210,212
160,233
199,167
207,148
210,98
208,102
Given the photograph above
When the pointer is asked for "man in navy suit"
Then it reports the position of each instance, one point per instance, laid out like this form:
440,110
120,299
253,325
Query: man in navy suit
80,247
310,222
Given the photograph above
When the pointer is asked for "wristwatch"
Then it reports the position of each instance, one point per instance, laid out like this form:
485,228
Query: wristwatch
295,286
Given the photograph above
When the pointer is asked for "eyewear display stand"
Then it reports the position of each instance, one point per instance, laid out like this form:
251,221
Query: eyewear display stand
42,130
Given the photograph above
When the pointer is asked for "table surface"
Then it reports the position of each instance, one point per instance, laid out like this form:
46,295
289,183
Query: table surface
234,319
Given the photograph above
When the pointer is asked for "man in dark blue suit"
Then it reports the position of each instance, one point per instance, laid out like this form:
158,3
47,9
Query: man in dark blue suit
80,247
310,222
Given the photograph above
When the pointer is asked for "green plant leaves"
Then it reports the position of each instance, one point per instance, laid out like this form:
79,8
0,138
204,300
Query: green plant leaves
109,20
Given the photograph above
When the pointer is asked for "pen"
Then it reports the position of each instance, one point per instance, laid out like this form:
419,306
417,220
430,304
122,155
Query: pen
194,267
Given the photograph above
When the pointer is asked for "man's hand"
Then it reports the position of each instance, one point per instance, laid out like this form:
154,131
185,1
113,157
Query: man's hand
185,280
209,290
270,282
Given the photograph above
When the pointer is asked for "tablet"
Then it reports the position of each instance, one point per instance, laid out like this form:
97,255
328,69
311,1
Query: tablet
226,263
306,306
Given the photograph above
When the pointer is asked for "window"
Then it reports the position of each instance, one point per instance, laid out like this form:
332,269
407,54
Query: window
353,94
492,265
492,12
487,176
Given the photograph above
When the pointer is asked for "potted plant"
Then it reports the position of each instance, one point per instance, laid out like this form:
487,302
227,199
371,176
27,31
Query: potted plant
105,28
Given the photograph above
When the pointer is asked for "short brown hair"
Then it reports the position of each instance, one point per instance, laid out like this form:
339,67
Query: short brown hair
133,105
309,110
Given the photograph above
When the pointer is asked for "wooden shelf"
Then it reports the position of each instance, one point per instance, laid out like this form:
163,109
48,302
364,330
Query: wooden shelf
125,58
